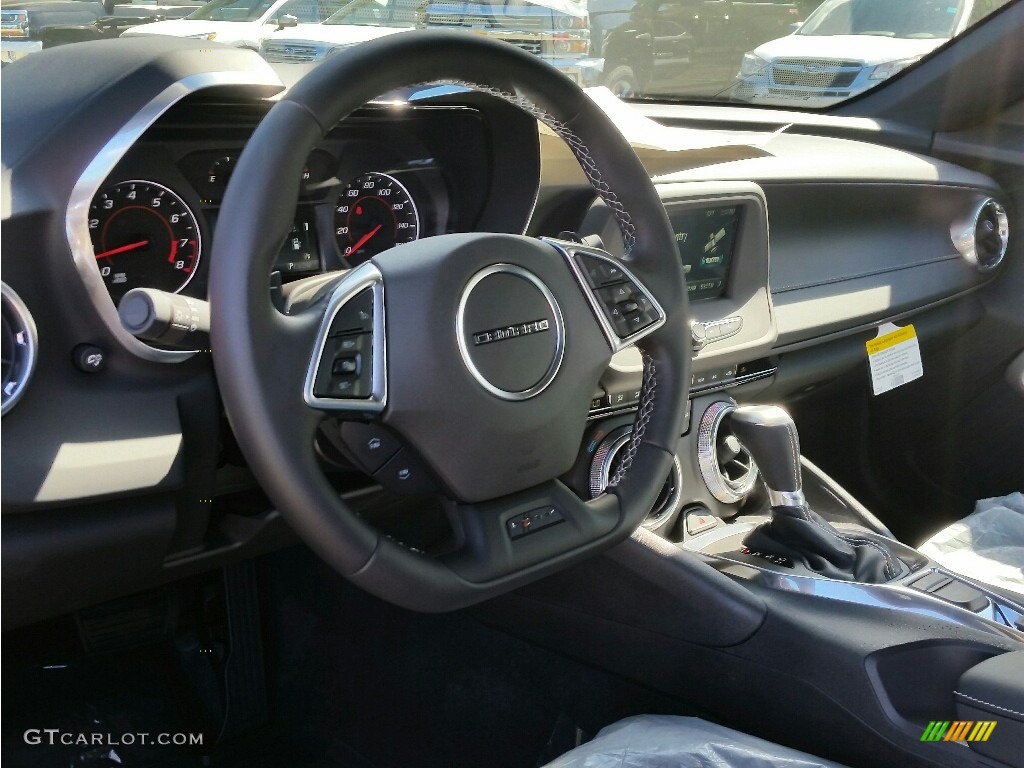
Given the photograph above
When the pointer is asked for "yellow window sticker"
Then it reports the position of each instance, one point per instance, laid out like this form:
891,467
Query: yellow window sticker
894,357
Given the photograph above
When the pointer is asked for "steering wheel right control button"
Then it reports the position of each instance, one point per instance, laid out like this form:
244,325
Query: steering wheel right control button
623,306
532,521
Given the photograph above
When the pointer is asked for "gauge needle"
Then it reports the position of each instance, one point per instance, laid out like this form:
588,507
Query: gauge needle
122,249
366,238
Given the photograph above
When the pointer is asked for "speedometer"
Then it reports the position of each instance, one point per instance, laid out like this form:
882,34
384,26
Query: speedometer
374,212
143,236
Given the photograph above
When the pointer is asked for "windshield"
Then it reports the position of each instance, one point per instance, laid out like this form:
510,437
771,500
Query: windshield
793,54
377,13
888,18
232,10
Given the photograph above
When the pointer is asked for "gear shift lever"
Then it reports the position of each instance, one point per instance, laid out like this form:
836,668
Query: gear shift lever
769,434
795,530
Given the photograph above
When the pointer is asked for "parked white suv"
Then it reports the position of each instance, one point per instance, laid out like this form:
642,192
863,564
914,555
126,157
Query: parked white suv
356,22
847,46
242,23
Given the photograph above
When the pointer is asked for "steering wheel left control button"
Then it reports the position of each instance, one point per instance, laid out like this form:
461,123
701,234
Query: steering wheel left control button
532,521
347,372
405,474
355,316
342,372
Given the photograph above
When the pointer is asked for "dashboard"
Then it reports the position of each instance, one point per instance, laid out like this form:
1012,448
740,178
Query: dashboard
795,257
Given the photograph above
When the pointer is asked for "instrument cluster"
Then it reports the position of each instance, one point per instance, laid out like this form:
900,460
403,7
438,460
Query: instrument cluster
152,222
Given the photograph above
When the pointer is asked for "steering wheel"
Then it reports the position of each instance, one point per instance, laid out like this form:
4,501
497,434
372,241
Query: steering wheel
481,351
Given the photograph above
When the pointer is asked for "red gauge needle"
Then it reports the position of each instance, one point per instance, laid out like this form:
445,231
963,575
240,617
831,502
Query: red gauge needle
122,249
366,238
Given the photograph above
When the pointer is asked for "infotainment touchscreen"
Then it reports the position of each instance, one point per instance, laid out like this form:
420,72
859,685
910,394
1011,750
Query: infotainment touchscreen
706,239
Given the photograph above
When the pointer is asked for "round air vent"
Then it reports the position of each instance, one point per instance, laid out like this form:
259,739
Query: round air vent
19,347
608,458
982,238
728,470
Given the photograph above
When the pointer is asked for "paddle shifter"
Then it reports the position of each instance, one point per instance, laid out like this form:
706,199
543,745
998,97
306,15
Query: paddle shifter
795,531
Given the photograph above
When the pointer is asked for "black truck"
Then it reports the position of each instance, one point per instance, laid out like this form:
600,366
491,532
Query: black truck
692,47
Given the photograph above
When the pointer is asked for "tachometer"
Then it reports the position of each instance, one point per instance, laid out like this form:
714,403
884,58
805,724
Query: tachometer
374,212
144,236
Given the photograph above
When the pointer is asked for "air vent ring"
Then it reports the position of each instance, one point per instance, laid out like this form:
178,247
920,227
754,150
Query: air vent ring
603,467
728,470
983,237
20,347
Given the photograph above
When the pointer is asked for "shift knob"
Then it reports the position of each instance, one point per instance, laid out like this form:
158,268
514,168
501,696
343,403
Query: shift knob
769,435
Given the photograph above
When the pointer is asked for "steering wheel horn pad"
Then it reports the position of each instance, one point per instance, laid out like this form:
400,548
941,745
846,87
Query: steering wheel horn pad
487,347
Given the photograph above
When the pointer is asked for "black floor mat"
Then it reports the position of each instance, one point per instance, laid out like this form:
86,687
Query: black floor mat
368,685
353,683
106,710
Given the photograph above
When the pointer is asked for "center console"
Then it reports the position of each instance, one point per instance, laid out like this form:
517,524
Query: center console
753,563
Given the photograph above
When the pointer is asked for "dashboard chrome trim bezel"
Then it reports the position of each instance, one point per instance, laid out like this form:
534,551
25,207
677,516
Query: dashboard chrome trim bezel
96,173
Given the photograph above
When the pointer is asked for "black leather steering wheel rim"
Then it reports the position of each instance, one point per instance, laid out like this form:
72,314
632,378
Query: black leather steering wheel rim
256,349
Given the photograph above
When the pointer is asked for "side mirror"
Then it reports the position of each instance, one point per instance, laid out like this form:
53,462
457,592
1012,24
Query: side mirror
287,21
796,25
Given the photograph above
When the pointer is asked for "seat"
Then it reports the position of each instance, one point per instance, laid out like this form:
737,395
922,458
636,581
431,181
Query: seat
663,741
987,545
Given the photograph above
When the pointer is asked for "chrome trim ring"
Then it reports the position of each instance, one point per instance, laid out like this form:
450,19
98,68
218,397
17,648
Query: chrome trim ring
725,490
964,235
556,362
85,189
364,276
26,347
786,498
604,456
601,470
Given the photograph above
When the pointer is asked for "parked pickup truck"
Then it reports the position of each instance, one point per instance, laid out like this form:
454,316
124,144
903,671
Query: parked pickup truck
554,30
673,47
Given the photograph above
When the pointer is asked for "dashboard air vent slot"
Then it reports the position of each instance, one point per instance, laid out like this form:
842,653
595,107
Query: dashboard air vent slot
19,347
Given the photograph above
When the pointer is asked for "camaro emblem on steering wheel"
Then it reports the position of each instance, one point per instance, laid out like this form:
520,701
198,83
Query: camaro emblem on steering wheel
510,332
496,298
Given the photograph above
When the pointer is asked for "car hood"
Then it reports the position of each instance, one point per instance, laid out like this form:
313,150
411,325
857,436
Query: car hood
226,31
869,49
339,34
